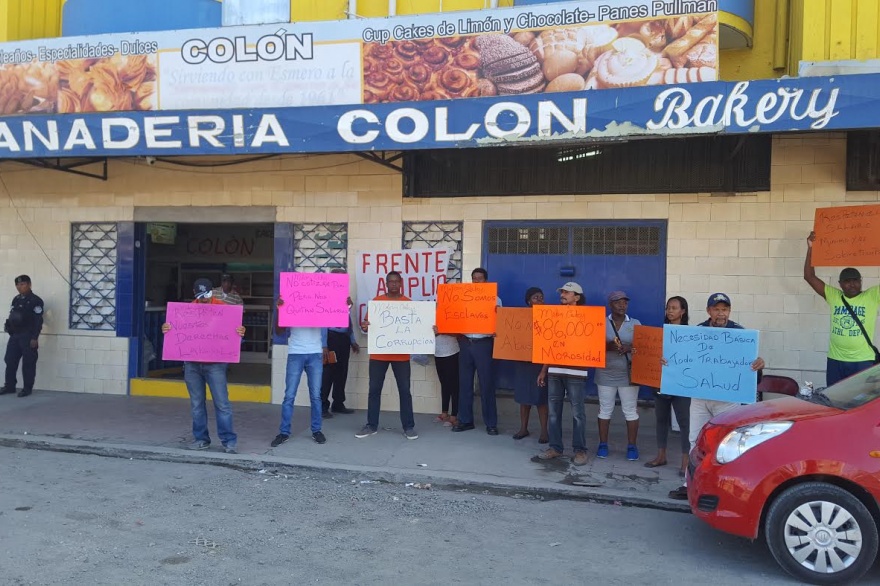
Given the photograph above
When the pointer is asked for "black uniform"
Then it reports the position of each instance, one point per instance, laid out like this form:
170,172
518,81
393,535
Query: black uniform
23,326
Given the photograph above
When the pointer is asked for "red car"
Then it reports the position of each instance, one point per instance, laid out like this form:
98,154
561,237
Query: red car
804,473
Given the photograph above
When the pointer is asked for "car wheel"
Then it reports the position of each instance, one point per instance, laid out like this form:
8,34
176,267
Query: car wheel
822,534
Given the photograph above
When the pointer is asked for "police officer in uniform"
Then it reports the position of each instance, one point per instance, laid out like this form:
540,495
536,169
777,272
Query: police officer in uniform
23,326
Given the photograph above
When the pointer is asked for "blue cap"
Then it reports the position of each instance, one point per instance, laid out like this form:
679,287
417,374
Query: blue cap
203,288
716,298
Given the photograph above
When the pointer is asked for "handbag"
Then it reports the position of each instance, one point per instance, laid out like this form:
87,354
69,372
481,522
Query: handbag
862,327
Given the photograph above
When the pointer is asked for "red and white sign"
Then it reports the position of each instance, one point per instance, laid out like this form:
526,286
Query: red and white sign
422,271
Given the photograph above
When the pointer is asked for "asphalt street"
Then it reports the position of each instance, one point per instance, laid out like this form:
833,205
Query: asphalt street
79,519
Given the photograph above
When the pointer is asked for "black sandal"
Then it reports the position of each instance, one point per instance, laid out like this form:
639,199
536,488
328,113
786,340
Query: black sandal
520,435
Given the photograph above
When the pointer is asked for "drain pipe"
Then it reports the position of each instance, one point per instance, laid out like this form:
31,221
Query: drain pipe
392,7
352,8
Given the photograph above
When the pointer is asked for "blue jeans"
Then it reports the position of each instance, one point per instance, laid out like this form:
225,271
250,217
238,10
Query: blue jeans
314,367
576,387
837,370
401,370
475,357
196,374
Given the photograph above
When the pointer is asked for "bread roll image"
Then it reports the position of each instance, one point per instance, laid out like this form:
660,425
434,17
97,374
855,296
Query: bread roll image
558,51
693,36
597,40
524,38
567,82
689,75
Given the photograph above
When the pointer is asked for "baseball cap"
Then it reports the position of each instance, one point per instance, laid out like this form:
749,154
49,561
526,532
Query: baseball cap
226,277
571,286
617,296
22,279
203,288
716,298
850,273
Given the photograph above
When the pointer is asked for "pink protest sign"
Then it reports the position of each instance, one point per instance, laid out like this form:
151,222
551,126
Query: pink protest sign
314,300
203,332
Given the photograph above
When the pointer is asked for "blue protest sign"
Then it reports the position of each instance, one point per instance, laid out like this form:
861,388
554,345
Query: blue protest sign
710,363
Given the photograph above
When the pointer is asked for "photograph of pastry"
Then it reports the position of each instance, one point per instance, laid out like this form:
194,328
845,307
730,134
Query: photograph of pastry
627,54
115,84
27,88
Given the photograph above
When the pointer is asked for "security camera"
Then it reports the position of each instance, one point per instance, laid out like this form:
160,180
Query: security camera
150,160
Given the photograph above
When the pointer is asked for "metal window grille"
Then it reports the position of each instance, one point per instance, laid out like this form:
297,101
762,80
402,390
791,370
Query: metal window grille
616,240
528,240
320,247
437,235
93,276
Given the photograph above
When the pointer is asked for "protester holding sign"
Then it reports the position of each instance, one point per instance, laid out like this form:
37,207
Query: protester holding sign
379,364
526,390
341,342
306,349
475,359
614,379
446,351
562,381
703,410
197,374
851,348
676,314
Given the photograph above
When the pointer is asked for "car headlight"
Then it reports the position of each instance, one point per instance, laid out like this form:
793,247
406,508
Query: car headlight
739,441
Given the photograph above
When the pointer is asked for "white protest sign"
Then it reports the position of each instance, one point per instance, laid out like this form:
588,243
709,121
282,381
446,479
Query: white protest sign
422,271
401,327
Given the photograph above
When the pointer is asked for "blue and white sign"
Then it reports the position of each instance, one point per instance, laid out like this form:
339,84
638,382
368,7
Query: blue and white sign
801,104
710,363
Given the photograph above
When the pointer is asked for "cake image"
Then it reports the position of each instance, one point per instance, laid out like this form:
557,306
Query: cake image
571,59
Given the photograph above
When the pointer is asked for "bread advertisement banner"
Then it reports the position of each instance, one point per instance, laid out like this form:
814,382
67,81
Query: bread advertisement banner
560,47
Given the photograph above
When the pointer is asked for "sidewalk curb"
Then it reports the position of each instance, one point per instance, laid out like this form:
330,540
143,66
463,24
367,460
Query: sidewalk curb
254,462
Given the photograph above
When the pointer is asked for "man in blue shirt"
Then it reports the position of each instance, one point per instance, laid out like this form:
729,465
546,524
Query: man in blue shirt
340,344
306,348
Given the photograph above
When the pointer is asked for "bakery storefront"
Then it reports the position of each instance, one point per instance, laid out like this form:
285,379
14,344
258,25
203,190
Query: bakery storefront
227,151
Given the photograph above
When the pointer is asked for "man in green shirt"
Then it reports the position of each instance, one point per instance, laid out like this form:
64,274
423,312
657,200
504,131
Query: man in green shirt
848,350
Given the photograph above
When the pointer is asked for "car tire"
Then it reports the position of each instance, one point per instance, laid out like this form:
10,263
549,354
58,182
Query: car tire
821,534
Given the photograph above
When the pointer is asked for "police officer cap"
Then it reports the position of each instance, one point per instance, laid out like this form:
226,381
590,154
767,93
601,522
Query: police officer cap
22,279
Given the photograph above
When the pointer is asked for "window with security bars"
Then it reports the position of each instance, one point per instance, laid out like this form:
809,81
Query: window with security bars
93,276
437,235
528,240
616,240
320,248
863,160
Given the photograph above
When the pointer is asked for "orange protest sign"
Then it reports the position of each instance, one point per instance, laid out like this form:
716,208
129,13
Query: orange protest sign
513,338
571,335
647,354
847,236
466,308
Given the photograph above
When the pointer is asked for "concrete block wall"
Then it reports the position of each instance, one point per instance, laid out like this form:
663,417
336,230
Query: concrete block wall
750,246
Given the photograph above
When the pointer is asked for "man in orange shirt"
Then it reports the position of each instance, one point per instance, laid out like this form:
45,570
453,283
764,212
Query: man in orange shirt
197,374
379,367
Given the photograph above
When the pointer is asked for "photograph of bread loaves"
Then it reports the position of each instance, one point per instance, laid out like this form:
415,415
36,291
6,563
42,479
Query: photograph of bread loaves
600,56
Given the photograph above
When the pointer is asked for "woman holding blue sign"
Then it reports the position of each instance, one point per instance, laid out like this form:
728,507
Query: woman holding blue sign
676,314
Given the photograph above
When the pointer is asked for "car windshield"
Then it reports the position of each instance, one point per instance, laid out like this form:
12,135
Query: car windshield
854,391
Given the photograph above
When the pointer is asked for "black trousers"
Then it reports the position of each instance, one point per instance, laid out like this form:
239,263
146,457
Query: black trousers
663,406
335,375
447,372
18,349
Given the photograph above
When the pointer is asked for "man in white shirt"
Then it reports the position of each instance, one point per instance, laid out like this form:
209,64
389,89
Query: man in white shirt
305,352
